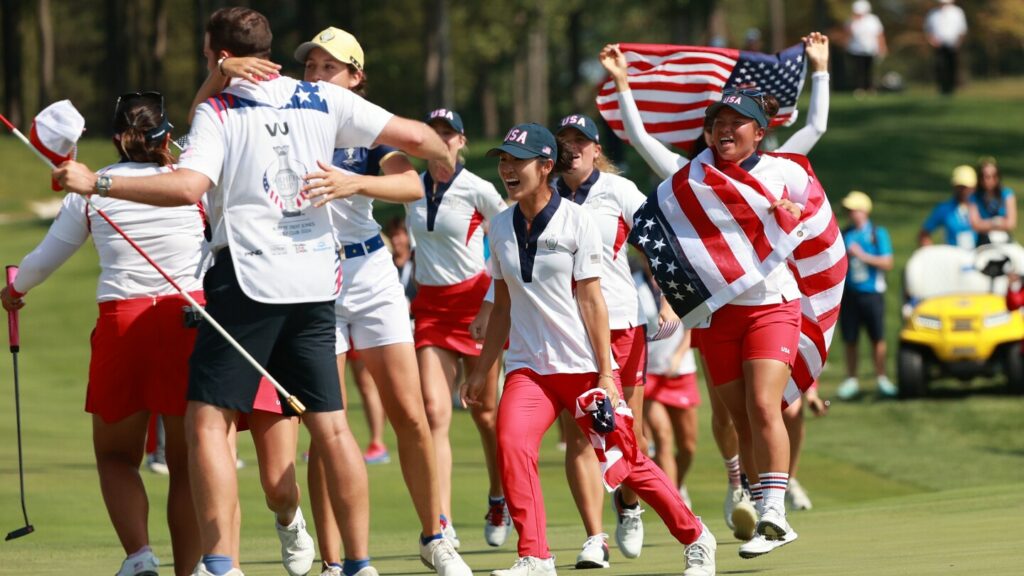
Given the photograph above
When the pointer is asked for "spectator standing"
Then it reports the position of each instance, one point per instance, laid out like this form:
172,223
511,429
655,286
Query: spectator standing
866,43
993,207
870,254
953,215
946,26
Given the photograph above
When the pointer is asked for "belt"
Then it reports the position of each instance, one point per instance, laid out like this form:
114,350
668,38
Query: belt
362,248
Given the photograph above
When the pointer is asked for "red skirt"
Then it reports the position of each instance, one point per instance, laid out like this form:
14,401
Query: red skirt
673,391
443,313
140,352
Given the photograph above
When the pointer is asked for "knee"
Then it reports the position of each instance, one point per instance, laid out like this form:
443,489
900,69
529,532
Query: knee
281,493
485,418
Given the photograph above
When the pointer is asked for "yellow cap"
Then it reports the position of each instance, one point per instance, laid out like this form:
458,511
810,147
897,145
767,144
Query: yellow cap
964,176
341,45
857,200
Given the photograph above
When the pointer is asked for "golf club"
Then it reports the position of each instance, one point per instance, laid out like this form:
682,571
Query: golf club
292,400
15,341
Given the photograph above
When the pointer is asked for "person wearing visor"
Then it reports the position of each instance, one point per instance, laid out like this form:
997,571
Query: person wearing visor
141,343
547,261
739,514
371,314
592,181
953,216
447,227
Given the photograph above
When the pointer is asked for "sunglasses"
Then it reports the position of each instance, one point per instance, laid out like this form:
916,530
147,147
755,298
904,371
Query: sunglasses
757,95
126,101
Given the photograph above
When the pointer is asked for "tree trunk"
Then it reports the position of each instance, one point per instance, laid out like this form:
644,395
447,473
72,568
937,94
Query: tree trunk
488,103
45,24
116,69
12,60
159,43
577,88
439,81
537,65
520,112
778,16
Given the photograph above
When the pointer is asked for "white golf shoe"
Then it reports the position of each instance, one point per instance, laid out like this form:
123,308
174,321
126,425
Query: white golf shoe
629,528
594,553
759,545
744,518
202,571
449,532
336,571
773,531
297,548
796,497
700,556
529,566
440,556
497,524
144,564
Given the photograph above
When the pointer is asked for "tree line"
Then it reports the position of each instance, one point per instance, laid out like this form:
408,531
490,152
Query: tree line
497,62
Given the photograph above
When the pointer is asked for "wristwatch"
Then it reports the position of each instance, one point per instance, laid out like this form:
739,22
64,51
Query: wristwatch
103,184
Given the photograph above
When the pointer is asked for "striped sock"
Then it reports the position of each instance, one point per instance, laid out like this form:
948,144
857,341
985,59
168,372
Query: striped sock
773,489
732,466
755,496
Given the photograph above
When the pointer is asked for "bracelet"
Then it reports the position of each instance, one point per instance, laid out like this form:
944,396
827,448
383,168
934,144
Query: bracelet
599,376
220,64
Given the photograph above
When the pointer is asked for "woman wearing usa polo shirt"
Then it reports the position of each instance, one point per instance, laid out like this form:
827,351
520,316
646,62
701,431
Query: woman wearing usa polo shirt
446,224
592,182
546,259
140,346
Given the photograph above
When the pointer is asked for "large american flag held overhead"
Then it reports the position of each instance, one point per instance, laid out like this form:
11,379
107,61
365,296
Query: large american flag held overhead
709,236
673,85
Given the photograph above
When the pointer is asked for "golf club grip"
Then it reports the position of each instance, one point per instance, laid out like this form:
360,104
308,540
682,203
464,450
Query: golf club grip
296,405
12,317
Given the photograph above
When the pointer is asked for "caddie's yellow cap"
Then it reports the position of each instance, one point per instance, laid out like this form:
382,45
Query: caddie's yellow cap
857,200
339,44
964,176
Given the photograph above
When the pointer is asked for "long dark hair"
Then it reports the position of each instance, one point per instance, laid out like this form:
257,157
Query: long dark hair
135,121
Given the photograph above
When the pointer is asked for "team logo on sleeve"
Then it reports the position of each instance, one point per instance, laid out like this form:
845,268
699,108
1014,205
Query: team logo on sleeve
281,181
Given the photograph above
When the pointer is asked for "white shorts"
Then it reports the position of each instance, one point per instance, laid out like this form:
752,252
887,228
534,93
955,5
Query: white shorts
372,309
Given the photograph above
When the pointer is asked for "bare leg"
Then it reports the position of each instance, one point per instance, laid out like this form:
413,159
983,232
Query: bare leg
767,379
181,514
581,468
119,448
734,396
212,476
394,369
851,360
485,416
438,370
372,407
879,350
684,425
276,437
794,419
657,417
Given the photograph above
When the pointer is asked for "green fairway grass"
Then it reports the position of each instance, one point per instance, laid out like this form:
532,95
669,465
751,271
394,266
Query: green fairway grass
903,488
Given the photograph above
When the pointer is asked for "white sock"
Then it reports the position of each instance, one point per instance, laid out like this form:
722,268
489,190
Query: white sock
732,466
773,489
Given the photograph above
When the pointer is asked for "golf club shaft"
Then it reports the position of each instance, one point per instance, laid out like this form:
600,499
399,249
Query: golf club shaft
15,341
292,400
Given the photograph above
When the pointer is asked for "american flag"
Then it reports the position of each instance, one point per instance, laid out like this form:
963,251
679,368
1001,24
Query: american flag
673,85
709,236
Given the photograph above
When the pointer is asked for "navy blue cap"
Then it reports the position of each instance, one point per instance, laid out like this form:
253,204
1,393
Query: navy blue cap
585,124
749,103
449,117
528,141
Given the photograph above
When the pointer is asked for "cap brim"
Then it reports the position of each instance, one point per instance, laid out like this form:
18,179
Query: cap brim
593,138
516,151
445,121
717,106
303,51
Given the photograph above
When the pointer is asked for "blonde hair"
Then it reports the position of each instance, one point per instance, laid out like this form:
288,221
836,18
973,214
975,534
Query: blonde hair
603,164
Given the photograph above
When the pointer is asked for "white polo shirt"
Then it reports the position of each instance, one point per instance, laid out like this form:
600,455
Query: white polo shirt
353,216
563,245
612,201
255,142
947,24
173,238
446,227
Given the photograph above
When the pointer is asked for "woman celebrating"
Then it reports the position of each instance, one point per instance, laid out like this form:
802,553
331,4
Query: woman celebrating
452,283
141,346
993,207
592,182
546,260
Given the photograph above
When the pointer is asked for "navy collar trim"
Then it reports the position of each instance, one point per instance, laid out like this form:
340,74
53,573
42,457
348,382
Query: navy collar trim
527,239
582,192
434,195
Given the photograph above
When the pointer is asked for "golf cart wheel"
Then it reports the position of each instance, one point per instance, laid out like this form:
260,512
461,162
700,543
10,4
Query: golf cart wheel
912,372
1013,367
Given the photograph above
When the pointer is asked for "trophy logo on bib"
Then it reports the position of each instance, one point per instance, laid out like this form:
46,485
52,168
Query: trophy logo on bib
281,181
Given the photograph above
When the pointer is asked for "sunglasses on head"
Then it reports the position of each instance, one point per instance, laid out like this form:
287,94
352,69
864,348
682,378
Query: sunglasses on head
757,95
126,101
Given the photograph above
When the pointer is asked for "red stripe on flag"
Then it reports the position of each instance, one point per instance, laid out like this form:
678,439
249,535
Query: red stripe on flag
730,268
818,244
741,211
663,126
824,280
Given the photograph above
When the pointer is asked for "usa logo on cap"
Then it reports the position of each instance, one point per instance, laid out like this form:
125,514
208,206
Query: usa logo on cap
442,113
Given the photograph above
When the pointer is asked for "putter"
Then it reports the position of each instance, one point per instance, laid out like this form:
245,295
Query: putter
15,341
292,401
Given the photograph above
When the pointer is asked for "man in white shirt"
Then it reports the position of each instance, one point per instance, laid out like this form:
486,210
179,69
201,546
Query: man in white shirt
277,272
946,27
866,42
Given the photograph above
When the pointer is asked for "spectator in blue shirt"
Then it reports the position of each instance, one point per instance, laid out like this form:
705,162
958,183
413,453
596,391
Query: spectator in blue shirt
953,215
869,250
993,207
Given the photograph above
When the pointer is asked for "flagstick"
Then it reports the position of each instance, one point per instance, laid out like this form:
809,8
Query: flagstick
292,400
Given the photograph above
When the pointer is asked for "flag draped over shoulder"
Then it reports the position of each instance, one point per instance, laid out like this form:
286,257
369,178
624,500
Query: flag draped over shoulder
673,85
709,236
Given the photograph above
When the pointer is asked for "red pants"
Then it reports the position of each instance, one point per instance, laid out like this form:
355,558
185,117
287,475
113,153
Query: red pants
529,405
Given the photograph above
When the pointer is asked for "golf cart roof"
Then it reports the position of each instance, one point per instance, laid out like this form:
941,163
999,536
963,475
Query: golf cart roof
944,269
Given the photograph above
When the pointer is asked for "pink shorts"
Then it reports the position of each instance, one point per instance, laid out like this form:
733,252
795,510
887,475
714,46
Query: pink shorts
443,314
629,348
140,351
673,391
739,333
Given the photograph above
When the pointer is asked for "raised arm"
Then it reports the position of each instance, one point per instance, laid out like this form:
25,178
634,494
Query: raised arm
804,139
417,139
659,157
247,67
